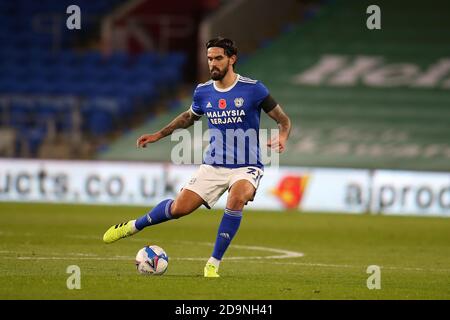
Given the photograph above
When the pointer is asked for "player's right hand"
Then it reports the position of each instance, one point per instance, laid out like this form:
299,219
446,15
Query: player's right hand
277,143
146,138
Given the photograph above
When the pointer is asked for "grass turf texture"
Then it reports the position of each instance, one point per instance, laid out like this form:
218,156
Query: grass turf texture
39,241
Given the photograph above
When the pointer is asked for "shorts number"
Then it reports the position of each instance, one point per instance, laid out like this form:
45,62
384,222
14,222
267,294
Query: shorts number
256,175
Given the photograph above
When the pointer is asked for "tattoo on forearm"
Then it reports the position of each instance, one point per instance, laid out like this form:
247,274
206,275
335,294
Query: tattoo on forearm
184,120
285,126
283,121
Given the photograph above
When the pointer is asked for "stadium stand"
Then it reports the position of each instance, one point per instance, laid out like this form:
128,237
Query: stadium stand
383,102
52,84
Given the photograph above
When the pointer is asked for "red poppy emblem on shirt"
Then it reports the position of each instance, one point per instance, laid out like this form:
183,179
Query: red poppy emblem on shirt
222,103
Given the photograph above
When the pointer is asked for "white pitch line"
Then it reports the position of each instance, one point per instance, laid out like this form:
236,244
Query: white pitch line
283,254
230,259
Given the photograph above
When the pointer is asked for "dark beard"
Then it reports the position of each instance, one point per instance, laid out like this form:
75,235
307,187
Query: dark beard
217,76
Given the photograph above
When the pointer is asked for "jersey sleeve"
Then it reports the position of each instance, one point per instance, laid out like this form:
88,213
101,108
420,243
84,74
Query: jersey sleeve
261,92
263,98
196,106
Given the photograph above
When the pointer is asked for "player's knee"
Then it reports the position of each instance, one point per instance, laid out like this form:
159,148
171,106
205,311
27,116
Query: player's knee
237,201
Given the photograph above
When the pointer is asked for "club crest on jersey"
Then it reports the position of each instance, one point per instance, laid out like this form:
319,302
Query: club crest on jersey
209,105
239,102
222,104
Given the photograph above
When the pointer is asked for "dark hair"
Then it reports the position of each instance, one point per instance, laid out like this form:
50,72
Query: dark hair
227,45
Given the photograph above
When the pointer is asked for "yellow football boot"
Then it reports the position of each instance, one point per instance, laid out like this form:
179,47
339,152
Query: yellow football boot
120,231
210,271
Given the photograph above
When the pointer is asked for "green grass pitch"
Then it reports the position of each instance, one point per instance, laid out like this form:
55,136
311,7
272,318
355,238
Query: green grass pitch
39,242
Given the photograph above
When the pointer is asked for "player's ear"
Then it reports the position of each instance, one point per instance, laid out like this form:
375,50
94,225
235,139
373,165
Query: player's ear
232,60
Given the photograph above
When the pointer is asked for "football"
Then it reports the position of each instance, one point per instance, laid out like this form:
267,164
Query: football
152,260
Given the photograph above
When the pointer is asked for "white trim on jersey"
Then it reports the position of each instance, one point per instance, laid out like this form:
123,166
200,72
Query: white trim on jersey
204,83
248,80
192,110
230,87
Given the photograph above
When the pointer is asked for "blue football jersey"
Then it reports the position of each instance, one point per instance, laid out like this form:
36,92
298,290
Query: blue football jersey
233,119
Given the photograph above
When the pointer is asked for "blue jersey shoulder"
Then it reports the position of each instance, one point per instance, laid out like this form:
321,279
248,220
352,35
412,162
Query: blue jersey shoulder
247,80
204,85
259,90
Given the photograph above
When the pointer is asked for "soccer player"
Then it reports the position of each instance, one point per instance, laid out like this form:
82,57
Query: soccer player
230,102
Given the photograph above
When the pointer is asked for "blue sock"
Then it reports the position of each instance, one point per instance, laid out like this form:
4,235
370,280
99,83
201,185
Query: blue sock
228,227
159,214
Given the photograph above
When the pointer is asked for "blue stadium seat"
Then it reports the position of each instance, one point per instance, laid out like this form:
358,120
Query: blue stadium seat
92,59
20,115
175,58
118,59
28,65
64,121
35,136
148,60
100,122
45,114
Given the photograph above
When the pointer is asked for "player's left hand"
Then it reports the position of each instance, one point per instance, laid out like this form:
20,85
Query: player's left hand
277,143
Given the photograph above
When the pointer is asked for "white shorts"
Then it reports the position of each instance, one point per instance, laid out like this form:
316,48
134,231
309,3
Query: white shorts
210,182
